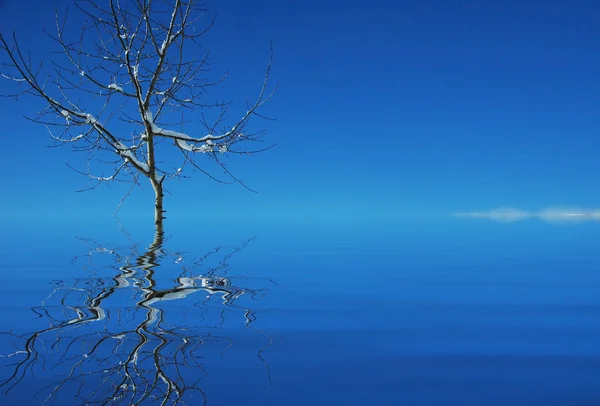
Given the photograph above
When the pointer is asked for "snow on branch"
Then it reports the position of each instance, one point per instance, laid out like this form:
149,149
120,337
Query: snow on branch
115,87
192,148
73,139
130,157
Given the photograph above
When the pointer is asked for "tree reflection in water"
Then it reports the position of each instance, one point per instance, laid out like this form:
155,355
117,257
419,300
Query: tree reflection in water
108,340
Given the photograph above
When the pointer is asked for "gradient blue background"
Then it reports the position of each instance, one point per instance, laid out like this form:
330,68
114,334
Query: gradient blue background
391,116
388,112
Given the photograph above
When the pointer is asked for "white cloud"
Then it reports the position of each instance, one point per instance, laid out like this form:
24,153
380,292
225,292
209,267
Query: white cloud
511,214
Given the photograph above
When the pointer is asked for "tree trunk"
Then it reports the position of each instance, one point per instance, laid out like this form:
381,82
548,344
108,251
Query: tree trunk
158,203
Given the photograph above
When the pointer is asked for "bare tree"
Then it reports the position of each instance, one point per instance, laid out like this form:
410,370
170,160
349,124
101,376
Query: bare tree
117,91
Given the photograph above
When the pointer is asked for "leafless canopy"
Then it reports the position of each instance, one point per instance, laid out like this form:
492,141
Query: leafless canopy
122,86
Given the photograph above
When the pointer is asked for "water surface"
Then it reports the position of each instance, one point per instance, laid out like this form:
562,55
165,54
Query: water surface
463,313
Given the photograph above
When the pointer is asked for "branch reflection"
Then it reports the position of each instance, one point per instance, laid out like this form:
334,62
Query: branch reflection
126,338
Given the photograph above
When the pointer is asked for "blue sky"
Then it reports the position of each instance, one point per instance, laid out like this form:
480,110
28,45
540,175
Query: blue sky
387,112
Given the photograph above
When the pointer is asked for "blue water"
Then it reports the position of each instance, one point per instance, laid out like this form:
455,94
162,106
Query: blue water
460,313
